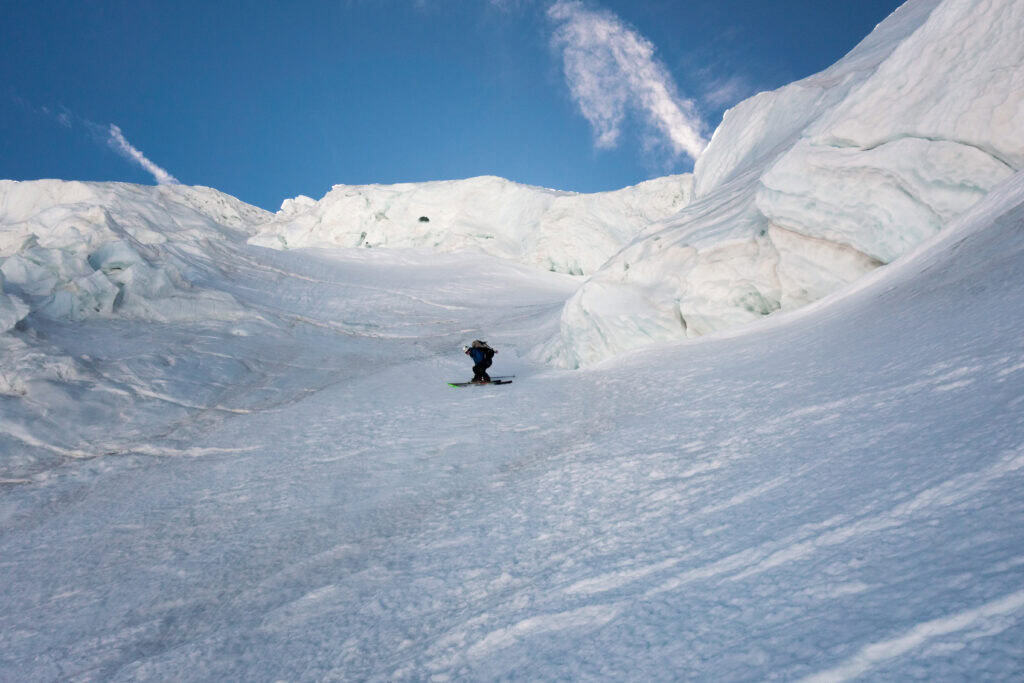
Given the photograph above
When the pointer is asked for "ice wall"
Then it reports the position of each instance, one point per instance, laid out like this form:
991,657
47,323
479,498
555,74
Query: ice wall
560,231
804,189
74,250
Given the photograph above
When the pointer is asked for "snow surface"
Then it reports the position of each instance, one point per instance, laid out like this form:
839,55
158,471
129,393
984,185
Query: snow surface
805,189
295,494
565,232
225,461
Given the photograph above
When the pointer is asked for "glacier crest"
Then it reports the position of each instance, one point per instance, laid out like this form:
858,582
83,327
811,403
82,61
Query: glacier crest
804,189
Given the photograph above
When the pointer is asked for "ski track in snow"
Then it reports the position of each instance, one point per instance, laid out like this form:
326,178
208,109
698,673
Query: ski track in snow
871,655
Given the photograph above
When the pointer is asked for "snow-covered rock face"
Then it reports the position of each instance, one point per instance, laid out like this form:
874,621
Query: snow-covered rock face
804,189
73,250
560,231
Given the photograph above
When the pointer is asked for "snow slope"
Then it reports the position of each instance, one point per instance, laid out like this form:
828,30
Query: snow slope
805,189
564,232
220,461
296,494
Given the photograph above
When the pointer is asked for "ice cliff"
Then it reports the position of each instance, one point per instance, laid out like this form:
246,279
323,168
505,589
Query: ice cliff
74,250
565,232
804,189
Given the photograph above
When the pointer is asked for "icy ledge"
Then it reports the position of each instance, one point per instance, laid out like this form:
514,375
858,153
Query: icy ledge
803,190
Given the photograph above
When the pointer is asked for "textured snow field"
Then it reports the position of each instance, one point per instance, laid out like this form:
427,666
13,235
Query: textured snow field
297,495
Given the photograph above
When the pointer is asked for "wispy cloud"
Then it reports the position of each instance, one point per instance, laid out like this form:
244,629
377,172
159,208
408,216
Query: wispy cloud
726,92
110,135
125,149
611,68
62,117
509,5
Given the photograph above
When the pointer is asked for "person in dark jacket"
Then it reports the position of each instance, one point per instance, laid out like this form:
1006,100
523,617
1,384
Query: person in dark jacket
481,354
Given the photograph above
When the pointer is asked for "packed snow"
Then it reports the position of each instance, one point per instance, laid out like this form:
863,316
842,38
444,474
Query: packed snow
228,450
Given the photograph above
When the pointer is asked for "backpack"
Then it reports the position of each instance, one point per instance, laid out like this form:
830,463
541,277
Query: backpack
488,351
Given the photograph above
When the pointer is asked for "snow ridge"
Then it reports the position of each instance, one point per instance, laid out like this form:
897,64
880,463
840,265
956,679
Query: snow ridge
563,232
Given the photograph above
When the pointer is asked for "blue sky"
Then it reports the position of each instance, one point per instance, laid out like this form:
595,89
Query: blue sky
270,99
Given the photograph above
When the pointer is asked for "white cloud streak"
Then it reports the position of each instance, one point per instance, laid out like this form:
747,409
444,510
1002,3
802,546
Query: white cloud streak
110,134
121,145
726,92
610,68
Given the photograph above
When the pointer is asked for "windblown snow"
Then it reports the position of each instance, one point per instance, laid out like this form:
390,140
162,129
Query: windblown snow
220,460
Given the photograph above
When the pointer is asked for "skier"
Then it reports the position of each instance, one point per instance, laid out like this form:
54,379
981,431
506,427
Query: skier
481,354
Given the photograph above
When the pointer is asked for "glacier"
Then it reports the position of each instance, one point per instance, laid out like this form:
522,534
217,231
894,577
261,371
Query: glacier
294,493
228,450
73,250
564,232
803,190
